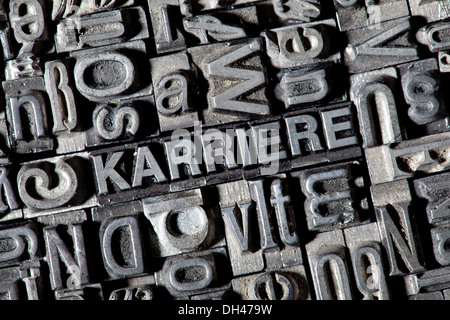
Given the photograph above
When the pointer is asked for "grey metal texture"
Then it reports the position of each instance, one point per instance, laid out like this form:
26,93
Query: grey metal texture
225,150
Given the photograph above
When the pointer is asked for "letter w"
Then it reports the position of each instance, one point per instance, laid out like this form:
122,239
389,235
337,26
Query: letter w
251,80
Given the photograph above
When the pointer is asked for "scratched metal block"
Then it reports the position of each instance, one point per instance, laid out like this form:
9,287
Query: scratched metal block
355,14
380,83
5,34
430,10
5,148
67,123
87,292
22,14
111,189
222,25
397,225
444,61
119,291
329,268
62,9
20,243
244,202
366,252
54,185
122,234
174,82
66,250
299,88
283,284
427,281
180,274
298,10
435,36
378,118
10,206
121,242
421,85
271,151
182,222
21,282
27,115
101,29
435,190
440,237
167,24
386,45
335,196
24,66
409,158
303,44
436,295
126,121
237,80
113,73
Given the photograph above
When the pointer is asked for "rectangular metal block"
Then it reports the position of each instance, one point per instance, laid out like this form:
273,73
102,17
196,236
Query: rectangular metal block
444,61
74,190
440,237
123,122
100,214
316,43
366,51
436,295
119,77
366,252
430,10
327,260
66,218
88,293
167,30
222,26
21,282
273,250
435,119
397,225
174,84
435,190
101,29
297,10
358,14
335,196
85,7
182,222
293,282
378,118
237,80
30,133
309,86
406,159
427,281
21,243
211,263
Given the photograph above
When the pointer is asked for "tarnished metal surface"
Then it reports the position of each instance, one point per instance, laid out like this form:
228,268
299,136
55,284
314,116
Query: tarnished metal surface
225,150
